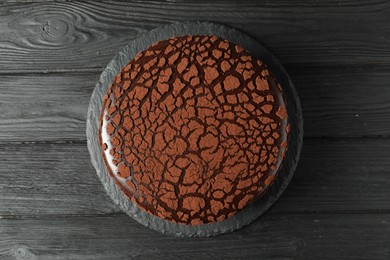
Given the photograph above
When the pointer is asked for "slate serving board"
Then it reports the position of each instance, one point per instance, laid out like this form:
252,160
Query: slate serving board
251,212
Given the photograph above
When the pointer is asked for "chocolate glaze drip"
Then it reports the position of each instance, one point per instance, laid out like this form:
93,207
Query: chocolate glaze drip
198,129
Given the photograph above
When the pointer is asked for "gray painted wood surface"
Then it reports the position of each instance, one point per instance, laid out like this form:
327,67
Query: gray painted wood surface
335,102
52,205
279,236
72,36
58,179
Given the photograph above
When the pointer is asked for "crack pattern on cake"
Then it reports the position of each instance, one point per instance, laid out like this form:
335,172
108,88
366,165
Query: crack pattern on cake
194,129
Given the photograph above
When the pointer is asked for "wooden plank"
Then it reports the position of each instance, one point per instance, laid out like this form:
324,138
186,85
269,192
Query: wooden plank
309,236
334,175
58,179
344,101
71,36
40,179
335,102
45,107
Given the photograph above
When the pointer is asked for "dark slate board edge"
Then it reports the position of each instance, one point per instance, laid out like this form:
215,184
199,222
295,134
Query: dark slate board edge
245,216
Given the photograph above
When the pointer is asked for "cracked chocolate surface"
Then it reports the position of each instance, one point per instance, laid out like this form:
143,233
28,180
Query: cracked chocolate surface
196,129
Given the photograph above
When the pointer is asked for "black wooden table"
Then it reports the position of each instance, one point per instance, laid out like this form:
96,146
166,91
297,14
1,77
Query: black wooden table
52,205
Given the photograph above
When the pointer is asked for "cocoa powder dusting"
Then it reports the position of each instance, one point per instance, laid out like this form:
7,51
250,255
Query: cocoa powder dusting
198,129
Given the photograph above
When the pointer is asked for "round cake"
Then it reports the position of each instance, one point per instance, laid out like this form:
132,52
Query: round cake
194,129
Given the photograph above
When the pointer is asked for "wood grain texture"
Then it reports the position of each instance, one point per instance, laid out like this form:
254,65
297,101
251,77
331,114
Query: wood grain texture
45,107
346,102
38,179
338,175
70,36
309,236
52,205
58,179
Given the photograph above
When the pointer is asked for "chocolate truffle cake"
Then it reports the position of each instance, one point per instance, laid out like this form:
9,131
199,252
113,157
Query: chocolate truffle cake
194,129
